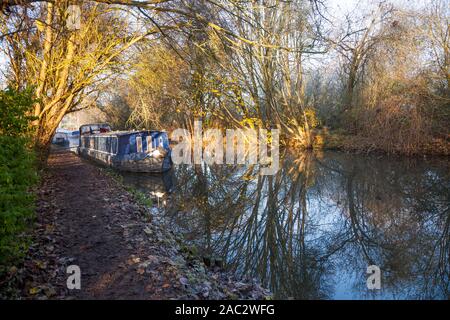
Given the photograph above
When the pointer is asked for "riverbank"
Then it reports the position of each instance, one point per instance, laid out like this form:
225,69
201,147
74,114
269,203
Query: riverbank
87,218
336,140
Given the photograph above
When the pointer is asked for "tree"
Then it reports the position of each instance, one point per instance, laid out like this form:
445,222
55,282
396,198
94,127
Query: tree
437,29
358,39
72,63
65,66
268,67
159,88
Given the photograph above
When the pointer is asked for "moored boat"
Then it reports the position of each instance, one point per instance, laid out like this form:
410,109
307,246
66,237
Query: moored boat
135,151
66,138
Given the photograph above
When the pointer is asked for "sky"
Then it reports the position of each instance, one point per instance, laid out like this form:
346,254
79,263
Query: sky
338,8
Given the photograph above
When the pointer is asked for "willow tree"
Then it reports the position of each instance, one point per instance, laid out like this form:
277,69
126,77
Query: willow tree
158,89
270,65
64,64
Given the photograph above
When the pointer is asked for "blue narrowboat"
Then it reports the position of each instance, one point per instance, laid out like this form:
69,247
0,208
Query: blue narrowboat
135,151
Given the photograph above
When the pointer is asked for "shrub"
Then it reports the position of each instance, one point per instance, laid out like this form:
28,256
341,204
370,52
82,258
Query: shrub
15,110
17,175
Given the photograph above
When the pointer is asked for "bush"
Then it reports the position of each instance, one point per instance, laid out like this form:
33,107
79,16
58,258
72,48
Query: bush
17,175
15,110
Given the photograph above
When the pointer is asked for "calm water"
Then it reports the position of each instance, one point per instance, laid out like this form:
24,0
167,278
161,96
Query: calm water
311,230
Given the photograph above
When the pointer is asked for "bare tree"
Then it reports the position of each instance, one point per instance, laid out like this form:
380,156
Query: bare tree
358,38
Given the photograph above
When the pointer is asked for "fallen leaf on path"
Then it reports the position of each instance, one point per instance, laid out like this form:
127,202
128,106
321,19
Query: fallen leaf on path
141,271
34,290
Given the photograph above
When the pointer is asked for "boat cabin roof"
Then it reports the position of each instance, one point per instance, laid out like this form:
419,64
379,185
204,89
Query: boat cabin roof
104,130
125,133
94,128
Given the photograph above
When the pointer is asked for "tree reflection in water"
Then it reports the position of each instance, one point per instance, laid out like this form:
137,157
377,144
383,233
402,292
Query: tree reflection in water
311,230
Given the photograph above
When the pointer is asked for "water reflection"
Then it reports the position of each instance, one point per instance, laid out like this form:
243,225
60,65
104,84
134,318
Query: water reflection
311,230
158,187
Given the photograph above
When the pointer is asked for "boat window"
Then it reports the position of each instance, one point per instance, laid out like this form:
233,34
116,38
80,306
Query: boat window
139,144
115,145
85,130
161,142
149,144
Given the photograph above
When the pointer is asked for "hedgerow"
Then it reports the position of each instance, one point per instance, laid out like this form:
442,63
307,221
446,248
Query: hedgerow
17,175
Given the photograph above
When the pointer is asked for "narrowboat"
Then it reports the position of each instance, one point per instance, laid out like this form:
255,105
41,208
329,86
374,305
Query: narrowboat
66,138
135,151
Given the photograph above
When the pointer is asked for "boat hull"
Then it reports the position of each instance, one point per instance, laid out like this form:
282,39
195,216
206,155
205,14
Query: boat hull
131,163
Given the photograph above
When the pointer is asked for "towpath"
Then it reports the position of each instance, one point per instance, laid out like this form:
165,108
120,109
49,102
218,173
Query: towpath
86,218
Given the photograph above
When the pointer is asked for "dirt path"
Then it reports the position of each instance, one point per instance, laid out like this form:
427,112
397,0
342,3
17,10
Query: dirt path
94,220
86,218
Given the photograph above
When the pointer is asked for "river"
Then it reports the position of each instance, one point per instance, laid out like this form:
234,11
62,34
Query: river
311,230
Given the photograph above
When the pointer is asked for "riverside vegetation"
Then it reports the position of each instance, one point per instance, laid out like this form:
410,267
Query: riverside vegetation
18,174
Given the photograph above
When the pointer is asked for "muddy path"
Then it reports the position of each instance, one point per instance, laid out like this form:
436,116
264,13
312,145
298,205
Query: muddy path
86,218
92,212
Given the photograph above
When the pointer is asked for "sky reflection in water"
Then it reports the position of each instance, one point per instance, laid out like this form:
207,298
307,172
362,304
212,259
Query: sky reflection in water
311,230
